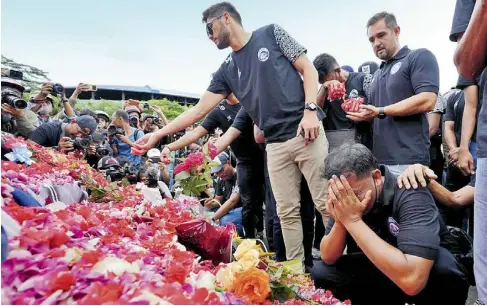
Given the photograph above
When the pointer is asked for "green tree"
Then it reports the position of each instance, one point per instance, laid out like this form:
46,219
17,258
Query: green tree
33,77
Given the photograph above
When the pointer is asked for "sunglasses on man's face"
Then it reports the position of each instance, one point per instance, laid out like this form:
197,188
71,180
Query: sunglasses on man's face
209,25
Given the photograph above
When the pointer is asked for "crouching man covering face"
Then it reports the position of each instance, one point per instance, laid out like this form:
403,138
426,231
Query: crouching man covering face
392,236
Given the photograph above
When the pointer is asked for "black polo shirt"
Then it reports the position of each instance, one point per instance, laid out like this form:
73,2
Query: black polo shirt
262,77
406,219
403,140
223,117
455,103
48,134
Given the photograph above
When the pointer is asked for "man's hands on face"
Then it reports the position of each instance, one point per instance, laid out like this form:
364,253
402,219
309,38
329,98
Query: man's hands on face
332,84
309,125
365,113
65,144
343,204
465,162
415,174
15,112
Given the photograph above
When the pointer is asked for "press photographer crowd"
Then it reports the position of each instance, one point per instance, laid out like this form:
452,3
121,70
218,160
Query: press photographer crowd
374,180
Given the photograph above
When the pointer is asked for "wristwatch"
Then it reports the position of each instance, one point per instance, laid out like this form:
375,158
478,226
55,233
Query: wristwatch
310,106
381,115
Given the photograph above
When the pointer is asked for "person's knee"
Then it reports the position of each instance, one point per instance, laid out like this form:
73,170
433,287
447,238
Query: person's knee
321,273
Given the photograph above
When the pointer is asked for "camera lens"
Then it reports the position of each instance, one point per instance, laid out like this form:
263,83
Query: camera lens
57,88
157,120
20,104
14,101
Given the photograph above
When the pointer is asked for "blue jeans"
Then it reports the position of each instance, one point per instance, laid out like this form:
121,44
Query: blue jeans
233,216
473,150
480,229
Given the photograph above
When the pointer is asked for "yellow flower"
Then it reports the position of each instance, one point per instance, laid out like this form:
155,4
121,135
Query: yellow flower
245,246
226,276
249,259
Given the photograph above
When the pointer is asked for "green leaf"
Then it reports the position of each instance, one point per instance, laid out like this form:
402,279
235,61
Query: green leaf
281,292
182,176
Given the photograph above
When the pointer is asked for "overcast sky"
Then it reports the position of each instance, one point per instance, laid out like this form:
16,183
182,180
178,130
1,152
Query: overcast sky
163,44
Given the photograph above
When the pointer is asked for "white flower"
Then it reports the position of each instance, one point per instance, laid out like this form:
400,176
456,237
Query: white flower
115,265
203,279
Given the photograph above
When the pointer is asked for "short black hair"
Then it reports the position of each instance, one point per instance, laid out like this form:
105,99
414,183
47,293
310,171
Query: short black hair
119,113
350,159
218,9
388,18
325,64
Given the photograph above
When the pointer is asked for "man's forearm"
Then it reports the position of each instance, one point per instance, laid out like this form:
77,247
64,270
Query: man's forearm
68,109
226,139
469,115
449,136
421,103
188,138
333,244
388,259
441,194
227,206
434,123
310,79
471,52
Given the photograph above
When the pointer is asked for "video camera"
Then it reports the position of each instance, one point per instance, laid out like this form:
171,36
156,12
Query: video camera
13,74
13,100
113,130
81,143
117,174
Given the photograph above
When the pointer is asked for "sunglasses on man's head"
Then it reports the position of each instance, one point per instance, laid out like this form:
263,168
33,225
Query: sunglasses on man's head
209,25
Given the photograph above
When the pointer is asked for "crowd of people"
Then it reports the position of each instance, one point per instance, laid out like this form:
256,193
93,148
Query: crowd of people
371,176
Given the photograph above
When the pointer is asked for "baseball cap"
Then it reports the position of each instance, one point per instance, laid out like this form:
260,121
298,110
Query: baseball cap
132,109
221,159
6,81
347,68
107,162
86,121
154,154
36,93
368,67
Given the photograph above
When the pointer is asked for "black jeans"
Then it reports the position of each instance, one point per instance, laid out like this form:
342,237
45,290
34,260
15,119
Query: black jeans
273,224
319,229
250,176
356,278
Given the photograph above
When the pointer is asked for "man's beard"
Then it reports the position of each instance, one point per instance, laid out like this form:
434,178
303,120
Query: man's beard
224,39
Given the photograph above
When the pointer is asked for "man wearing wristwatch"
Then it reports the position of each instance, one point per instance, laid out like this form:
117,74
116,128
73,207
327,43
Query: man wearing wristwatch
272,77
403,91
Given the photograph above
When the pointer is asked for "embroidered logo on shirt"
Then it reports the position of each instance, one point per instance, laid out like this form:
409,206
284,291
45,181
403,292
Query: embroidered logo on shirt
221,107
229,118
228,60
239,73
396,67
263,54
393,226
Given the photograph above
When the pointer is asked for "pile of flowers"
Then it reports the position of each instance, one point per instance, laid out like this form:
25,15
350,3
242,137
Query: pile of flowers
119,248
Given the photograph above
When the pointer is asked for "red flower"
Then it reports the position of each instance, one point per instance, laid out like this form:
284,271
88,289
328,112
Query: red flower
336,93
63,281
182,167
92,257
176,272
103,294
58,239
212,149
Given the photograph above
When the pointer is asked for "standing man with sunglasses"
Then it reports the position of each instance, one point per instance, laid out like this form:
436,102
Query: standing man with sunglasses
264,72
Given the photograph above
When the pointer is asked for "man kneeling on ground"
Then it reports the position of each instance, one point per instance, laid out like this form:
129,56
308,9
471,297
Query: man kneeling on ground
392,238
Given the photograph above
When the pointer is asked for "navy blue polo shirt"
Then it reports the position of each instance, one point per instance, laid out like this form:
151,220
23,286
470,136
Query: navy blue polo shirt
403,140
262,77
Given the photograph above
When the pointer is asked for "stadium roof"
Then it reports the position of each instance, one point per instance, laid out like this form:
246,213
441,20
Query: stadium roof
144,89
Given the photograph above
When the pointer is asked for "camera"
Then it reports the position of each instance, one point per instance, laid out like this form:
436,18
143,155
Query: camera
81,143
145,105
102,150
57,89
132,169
13,100
154,119
113,130
133,121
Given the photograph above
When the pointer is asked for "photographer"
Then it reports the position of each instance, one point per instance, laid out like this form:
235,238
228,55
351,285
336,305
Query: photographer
61,135
154,159
103,121
99,148
42,103
69,112
122,136
16,118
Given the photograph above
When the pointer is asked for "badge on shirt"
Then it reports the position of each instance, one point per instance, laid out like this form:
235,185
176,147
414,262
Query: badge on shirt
396,67
393,226
263,54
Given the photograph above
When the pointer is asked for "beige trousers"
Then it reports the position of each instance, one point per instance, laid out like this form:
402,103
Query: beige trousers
287,162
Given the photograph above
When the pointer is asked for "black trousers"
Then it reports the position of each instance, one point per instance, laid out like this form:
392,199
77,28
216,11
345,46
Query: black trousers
250,176
356,278
273,224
